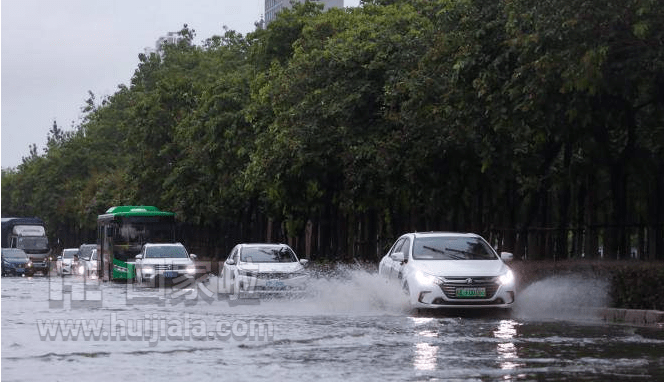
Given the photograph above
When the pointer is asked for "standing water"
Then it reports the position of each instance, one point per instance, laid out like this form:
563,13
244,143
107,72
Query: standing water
353,326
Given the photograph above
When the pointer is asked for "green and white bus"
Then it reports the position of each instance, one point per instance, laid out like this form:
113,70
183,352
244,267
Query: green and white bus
121,233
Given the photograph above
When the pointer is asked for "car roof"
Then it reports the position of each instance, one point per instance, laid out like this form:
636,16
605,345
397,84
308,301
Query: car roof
441,234
263,245
163,245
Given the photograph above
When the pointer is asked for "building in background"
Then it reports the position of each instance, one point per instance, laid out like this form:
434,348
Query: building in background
272,7
170,38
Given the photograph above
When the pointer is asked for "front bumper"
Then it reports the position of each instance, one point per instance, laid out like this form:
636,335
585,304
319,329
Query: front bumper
250,286
167,276
454,294
18,269
40,265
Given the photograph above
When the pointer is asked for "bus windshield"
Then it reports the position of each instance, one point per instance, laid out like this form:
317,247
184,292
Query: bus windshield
144,229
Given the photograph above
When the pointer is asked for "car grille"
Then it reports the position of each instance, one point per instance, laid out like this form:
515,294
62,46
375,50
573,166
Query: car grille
169,267
272,275
450,284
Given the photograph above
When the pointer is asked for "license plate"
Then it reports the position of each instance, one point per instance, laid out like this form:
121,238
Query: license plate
471,292
170,274
274,284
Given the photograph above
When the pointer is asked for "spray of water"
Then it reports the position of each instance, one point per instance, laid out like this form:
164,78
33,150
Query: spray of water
562,297
356,290
340,290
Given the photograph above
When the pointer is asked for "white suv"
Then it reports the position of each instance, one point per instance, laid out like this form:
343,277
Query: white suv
167,262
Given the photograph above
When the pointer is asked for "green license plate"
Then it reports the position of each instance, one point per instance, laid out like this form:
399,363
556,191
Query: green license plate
471,292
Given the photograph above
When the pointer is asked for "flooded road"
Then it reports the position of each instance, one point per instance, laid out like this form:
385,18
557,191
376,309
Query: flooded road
353,328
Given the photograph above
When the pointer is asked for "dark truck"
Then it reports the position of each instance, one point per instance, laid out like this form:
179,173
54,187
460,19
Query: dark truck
28,234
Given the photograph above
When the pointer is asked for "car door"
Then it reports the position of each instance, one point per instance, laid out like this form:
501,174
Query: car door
391,265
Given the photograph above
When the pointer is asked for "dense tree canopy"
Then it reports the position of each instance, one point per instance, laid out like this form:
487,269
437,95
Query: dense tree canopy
539,124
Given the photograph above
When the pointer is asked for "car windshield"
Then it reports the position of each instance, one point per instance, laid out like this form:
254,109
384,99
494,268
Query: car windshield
85,251
31,243
268,255
18,254
67,254
451,248
165,252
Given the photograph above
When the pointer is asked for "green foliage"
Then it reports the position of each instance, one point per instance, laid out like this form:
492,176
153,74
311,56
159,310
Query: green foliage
638,287
359,124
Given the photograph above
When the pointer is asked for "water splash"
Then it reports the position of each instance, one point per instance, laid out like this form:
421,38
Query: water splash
562,298
356,290
340,290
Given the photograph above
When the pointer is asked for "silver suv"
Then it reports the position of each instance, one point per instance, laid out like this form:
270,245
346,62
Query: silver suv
164,262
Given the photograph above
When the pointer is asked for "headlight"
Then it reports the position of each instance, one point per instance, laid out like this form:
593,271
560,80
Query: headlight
147,268
425,278
297,274
29,264
242,272
81,269
191,269
506,278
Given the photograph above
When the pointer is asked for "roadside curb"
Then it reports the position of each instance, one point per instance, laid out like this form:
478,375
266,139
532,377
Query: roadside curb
633,316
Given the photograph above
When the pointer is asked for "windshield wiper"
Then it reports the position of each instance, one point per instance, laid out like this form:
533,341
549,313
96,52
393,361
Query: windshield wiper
453,257
461,251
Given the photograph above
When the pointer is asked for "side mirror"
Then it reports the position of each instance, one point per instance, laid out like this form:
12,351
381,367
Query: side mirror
138,257
59,258
192,256
398,257
230,262
507,256
304,262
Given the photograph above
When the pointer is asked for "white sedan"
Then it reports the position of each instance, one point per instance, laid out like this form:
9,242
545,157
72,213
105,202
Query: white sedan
164,262
252,270
91,268
450,270
67,263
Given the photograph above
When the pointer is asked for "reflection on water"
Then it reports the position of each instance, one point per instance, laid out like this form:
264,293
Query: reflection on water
353,330
425,356
425,352
507,354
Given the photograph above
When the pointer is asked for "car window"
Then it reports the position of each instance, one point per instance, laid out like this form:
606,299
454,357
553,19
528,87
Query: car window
452,248
268,255
14,254
165,252
69,254
233,255
405,248
397,246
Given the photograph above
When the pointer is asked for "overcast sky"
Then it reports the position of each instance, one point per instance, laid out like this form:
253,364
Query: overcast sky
55,51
